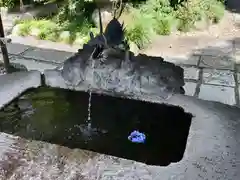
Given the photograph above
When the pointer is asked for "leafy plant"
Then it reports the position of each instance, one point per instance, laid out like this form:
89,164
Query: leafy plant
163,26
187,14
213,9
141,30
8,3
25,28
73,22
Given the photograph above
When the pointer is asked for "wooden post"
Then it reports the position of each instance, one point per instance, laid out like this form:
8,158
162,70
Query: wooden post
4,48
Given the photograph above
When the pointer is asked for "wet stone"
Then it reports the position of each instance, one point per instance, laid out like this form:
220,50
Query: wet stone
237,45
218,77
237,56
237,51
48,55
224,95
217,62
31,64
237,60
238,78
17,49
143,74
193,60
190,88
220,48
191,73
239,96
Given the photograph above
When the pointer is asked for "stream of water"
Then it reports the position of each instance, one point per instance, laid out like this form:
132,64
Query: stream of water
88,130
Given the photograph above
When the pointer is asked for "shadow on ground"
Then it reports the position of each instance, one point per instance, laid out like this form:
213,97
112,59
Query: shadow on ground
223,52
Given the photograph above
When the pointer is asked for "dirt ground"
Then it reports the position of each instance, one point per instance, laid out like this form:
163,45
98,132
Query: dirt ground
184,43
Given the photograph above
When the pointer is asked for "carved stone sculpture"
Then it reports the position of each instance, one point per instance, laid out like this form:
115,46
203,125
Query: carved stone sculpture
102,64
140,74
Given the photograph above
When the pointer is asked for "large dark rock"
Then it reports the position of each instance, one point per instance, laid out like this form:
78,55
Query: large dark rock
141,74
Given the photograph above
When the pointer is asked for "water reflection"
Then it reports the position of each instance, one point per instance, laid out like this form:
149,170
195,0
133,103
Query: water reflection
58,116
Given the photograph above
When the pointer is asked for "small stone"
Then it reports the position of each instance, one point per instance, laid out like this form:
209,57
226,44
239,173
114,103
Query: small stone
221,94
218,77
190,88
191,73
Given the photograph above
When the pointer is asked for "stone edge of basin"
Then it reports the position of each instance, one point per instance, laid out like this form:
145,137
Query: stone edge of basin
53,79
14,84
208,120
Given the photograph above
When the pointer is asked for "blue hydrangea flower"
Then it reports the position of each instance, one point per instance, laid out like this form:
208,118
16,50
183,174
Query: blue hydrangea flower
137,137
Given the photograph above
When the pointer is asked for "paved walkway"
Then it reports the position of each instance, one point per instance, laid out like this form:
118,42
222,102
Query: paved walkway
210,74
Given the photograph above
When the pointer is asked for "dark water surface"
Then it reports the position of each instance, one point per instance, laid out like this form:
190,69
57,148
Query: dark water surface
60,117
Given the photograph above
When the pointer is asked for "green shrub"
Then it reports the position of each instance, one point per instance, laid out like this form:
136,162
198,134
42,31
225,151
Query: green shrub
188,13
79,39
163,23
53,36
66,36
163,26
48,29
73,22
9,3
162,14
194,10
140,31
213,9
25,27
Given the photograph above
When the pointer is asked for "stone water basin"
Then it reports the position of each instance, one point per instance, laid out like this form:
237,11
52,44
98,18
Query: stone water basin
212,147
60,116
